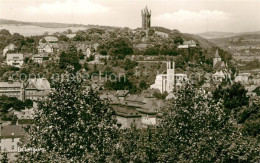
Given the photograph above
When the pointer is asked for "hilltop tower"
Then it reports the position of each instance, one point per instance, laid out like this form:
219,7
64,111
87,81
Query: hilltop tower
216,58
170,76
146,18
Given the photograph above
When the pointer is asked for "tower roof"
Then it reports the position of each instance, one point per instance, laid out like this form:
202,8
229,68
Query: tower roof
217,55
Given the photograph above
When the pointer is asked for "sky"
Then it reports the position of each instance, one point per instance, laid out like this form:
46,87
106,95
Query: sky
190,16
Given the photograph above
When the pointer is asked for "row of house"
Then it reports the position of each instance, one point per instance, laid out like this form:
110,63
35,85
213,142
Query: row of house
132,109
34,89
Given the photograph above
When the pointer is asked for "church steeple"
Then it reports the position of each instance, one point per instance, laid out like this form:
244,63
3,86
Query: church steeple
217,55
216,58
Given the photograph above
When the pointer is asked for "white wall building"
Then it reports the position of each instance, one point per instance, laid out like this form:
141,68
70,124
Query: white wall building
15,60
10,136
165,82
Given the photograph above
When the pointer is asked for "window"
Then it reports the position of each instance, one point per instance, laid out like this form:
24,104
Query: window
12,147
12,139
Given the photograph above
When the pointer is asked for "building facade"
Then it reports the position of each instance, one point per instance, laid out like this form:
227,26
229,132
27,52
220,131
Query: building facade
165,82
10,137
34,89
15,60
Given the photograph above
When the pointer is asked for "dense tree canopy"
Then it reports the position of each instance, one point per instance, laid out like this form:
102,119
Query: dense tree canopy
70,57
73,125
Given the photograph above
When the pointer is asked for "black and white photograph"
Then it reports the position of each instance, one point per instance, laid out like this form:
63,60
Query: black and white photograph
130,81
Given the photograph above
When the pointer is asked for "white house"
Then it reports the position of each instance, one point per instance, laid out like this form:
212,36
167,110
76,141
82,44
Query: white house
45,47
15,60
40,58
187,44
10,47
10,137
243,78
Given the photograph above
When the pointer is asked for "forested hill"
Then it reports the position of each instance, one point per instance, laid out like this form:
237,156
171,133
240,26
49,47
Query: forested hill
204,43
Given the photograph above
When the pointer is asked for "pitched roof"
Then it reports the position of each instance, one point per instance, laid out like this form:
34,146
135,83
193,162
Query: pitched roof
220,65
39,83
12,131
11,56
122,93
150,107
51,39
10,85
42,45
136,98
216,54
52,45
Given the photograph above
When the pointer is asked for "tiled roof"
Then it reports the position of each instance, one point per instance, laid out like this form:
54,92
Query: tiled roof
150,107
122,93
51,39
52,45
40,83
12,131
220,65
135,98
10,85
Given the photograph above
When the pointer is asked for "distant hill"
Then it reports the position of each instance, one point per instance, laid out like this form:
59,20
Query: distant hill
234,39
204,43
39,24
216,34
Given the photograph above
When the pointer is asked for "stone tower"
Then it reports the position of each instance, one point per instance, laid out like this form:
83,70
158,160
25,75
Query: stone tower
170,76
216,58
146,18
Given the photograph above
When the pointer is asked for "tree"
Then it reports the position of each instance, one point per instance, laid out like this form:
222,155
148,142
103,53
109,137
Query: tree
80,54
4,158
28,103
70,57
150,32
72,125
234,96
143,85
117,47
195,128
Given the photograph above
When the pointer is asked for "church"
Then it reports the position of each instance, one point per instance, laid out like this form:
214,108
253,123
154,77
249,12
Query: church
166,82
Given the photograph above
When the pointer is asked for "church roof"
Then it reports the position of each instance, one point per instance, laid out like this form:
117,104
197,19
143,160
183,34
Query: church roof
220,65
217,55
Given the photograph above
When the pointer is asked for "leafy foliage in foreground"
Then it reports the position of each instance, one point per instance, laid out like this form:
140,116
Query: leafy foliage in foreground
76,126
72,125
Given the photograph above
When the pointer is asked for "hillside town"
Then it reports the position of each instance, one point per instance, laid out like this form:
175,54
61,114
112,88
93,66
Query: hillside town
139,71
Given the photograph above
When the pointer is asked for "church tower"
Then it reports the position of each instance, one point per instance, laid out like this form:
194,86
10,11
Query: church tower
216,58
146,18
170,76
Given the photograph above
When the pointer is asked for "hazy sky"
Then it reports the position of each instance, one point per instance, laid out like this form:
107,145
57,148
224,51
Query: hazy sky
192,16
